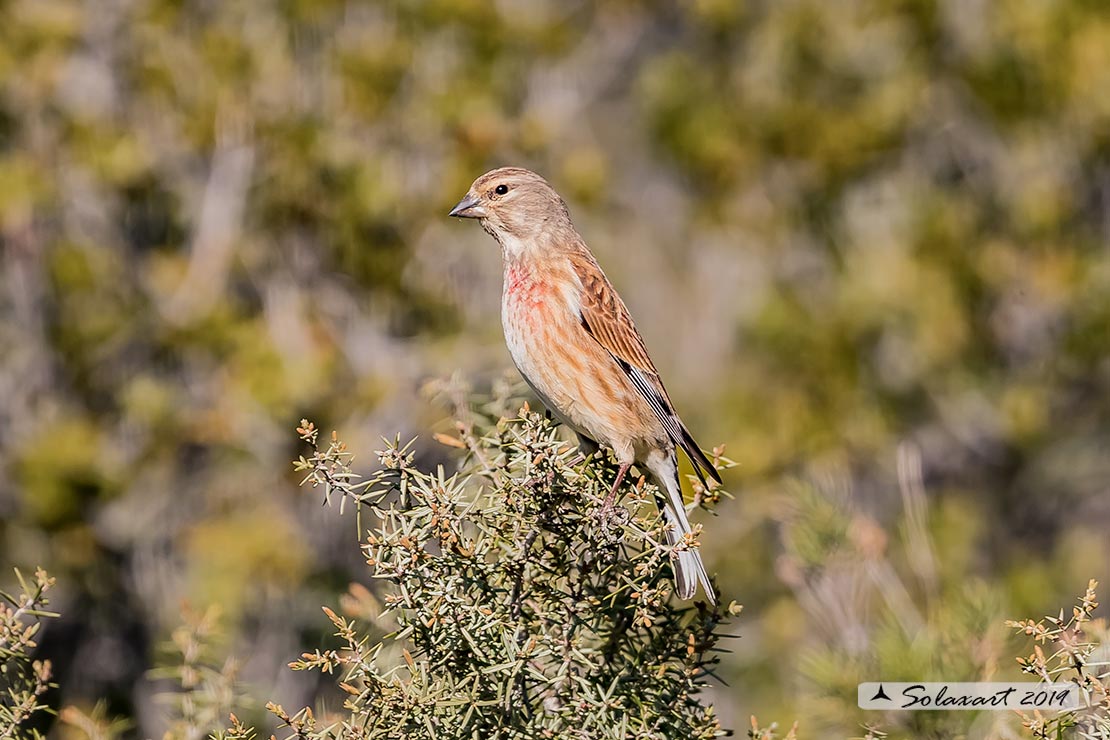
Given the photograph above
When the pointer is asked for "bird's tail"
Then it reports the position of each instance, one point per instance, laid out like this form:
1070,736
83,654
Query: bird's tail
689,570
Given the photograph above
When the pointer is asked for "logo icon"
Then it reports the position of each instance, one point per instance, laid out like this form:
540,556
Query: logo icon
880,694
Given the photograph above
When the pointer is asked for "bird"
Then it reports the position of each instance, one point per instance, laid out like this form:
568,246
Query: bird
573,340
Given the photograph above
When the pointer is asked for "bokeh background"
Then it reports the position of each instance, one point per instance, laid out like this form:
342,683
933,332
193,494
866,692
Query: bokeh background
867,241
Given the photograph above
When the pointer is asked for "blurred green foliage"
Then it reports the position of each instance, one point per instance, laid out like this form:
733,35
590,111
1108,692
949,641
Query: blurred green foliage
842,227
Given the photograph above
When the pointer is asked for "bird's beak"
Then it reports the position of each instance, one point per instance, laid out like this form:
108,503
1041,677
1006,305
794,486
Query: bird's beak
468,207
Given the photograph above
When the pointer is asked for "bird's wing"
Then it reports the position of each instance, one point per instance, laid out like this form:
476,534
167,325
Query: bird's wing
607,320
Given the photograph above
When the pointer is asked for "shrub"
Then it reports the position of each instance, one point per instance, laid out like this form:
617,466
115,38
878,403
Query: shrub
23,681
1080,655
510,608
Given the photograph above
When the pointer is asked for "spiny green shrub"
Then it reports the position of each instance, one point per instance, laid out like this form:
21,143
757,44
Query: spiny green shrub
23,680
510,608
1080,654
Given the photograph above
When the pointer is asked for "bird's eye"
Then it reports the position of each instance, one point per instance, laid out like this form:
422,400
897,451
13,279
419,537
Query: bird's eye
501,189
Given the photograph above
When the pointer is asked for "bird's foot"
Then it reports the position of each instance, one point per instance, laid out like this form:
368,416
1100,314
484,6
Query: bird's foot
605,513
611,518
608,514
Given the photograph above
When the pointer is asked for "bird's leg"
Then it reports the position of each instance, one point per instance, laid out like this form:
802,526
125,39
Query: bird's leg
607,507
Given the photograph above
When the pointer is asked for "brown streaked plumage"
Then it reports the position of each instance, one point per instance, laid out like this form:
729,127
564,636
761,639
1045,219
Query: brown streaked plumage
573,340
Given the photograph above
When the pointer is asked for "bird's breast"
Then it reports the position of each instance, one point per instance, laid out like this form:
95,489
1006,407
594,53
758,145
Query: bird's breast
570,371
539,298
523,286
534,314
539,313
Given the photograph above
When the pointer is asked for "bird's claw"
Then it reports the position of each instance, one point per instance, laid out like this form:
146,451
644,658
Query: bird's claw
610,516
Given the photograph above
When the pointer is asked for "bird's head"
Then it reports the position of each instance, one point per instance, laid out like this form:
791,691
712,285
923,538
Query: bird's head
514,205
